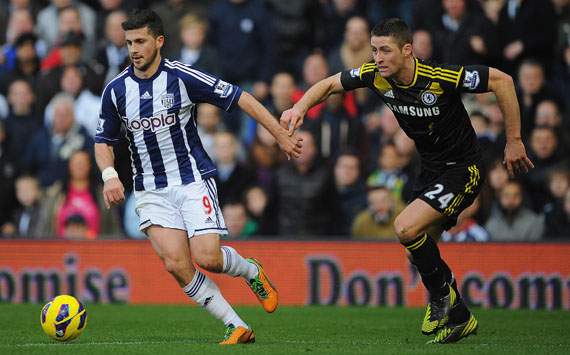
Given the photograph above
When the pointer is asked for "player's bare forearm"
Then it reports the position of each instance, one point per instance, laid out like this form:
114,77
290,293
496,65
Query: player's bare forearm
113,190
502,85
292,118
104,156
504,88
290,145
319,93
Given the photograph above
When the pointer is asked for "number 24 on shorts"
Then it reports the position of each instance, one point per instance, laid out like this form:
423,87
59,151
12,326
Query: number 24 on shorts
443,200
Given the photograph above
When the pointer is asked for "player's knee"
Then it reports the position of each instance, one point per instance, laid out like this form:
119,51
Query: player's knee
404,231
176,266
210,261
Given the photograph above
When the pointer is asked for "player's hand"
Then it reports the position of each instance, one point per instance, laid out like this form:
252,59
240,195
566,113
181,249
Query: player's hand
290,144
291,119
516,159
113,192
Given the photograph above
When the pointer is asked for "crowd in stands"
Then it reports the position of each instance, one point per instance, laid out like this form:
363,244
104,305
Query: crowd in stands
357,167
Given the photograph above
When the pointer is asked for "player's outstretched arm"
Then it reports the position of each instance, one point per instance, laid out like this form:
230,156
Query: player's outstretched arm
113,190
503,86
290,144
292,118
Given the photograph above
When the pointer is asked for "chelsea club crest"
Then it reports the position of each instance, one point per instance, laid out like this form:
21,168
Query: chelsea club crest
428,98
167,100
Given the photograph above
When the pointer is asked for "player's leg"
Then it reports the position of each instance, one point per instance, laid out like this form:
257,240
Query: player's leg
172,247
462,322
209,255
411,227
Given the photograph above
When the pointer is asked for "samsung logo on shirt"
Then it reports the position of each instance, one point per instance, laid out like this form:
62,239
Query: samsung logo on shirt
150,123
414,110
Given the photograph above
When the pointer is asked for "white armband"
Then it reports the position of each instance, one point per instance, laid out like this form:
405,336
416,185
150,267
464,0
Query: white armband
109,173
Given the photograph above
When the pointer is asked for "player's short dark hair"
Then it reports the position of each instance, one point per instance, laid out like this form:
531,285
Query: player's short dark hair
144,18
394,27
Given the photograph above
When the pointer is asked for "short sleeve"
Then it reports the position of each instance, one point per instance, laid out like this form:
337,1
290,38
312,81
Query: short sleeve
357,77
109,124
474,79
203,87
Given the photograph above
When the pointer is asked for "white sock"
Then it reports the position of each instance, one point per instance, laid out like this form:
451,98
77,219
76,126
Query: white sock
236,265
207,294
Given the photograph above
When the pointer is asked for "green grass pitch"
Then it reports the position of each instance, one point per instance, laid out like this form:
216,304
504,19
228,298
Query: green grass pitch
127,329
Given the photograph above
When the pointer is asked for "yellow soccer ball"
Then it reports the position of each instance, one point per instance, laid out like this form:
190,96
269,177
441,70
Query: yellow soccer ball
63,318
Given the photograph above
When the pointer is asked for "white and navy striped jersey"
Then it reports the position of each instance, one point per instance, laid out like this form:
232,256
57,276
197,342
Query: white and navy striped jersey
159,114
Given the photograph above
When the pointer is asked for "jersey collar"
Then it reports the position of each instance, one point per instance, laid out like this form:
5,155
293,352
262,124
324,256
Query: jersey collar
415,77
154,76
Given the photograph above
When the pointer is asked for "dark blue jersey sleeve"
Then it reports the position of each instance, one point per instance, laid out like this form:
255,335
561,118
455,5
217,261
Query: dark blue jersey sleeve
109,125
203,87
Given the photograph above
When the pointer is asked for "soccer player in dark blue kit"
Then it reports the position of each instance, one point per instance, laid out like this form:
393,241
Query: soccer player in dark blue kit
425,98
176,197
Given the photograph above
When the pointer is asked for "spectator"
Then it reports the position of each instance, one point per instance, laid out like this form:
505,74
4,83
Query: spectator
548,114
170,12
510,220
337,129
389,172
336,14
233,177
50,148
20,23
22,120
7,174
545,154
209,124
298,28
282,89
112,53
49,82
51,14
304,186
86,104
27,63
467,229
261,210
244,27
518,37
29,219
350,189
79,194
355,48
76,228
463,36
377,221
265,157
195,51
532,89
558,185
557,220
422,44
237,222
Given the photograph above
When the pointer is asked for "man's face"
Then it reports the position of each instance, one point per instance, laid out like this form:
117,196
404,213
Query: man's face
346,170
531,78
543,143
388,56
511,197
143,47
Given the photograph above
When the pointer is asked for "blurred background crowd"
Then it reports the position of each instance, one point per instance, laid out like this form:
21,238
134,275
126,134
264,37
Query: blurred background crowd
357,166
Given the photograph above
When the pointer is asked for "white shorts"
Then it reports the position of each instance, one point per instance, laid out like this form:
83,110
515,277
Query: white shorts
193,208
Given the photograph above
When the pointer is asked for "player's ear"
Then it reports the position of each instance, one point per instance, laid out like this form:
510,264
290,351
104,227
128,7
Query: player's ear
159,41
407,49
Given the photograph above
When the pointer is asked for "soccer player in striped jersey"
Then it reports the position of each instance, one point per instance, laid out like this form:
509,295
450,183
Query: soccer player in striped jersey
176,198
425,98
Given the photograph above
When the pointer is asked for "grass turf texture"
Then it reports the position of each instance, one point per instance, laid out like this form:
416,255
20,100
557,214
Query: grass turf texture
130,329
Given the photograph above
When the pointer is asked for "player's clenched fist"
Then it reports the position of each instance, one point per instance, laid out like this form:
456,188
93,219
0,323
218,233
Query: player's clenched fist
113,192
